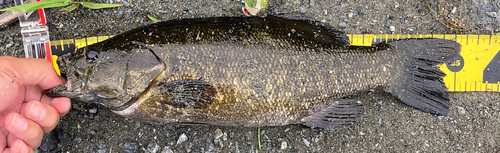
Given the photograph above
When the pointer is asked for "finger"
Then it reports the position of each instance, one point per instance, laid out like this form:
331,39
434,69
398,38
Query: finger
3,141
61,104
24,129
18,146
33,93
30,71
44,115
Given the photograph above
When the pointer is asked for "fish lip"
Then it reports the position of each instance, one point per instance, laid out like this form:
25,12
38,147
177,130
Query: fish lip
59,91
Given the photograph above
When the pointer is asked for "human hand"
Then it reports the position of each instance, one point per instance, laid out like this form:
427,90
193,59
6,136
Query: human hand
25,111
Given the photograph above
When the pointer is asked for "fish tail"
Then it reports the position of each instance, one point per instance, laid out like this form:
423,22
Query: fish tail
419,82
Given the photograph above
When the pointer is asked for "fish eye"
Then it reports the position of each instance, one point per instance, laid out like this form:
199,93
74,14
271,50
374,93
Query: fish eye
92,56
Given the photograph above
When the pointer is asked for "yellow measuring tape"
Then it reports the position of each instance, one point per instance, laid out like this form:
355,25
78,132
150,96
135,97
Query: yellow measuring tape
476,69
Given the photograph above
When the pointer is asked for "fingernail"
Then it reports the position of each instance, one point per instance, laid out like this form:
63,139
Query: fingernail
18,123
22,148
37,111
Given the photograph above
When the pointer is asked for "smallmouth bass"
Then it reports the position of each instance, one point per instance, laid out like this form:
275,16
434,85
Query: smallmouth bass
252,71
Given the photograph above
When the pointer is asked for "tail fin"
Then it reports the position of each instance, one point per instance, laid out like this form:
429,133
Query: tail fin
420,82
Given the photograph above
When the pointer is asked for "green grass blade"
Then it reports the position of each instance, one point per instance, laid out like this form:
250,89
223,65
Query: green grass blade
99,5
153,19
258,137
59,4
36,5
70,8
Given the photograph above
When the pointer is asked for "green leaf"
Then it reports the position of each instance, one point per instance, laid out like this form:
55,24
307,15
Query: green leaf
99,5
263,4
36,5
249,3
66,2
153,19
70,8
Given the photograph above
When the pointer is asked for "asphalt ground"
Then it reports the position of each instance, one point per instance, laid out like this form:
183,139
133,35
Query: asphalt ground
387,125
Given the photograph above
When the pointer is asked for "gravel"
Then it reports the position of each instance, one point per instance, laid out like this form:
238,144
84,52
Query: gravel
387,124
153,147
131,147
342,25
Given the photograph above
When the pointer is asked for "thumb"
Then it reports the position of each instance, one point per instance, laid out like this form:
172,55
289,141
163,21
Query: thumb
29,71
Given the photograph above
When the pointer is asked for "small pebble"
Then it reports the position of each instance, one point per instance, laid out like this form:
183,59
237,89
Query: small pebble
218,134
362,12
62,136
120,13
342,25
307,143
49,141
461,110
284,145
93,110
491,14
153,147
392,28
207,14
436,27
454,10
125,3
182,138
130,147
167,149
490,27
479,106
388,23
101,149
302,9
380,121
129,15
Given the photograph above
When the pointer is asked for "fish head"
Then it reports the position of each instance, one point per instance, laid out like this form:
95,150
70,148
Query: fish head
93,75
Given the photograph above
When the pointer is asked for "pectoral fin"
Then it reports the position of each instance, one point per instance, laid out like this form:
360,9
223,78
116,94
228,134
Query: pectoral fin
338,115
187,93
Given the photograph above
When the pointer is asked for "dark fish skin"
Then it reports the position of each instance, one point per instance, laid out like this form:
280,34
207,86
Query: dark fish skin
251,71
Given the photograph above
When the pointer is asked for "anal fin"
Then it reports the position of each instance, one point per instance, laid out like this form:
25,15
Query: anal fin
340,114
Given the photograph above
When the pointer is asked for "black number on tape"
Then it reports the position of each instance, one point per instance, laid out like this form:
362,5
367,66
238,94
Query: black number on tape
456,64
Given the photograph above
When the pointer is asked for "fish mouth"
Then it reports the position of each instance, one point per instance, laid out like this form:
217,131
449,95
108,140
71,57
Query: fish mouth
74,88
64,90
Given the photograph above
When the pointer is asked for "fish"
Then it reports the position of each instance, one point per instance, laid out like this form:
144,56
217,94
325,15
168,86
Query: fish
252,71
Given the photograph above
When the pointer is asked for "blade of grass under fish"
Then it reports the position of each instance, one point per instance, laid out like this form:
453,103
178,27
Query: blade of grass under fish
99,5
153,19
70,8
36,5
258,137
